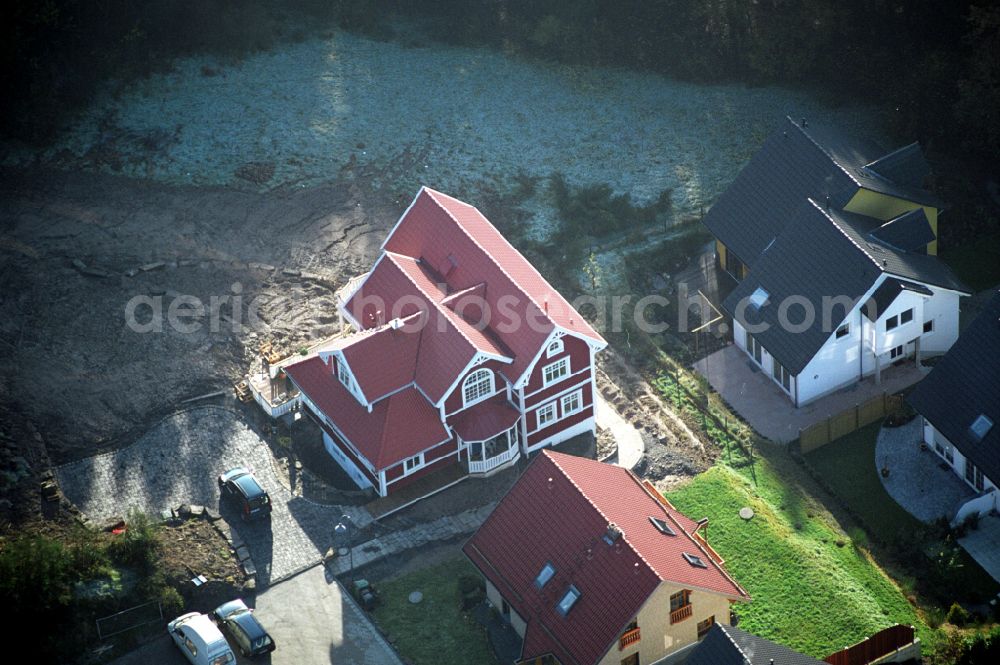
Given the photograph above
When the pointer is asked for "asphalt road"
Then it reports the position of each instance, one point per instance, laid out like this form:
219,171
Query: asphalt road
312,623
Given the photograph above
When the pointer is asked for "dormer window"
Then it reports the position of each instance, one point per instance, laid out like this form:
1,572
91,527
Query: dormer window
568,600
844,330
545,574
980,427
477,386
554,347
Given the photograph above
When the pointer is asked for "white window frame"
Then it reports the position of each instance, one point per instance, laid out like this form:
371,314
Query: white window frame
928,322
897,352
549,408
576,395
903,314
548,380
846,328
474,381
413,464
554,347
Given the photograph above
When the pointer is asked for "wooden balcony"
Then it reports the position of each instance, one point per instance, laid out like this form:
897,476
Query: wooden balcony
627,638
680,614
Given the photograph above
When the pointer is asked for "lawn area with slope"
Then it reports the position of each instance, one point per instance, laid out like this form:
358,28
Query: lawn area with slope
812,589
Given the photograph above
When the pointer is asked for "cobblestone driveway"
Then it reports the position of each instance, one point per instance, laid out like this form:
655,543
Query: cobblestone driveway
178,461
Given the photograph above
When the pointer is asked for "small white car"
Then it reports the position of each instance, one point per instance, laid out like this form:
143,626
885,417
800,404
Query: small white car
197,636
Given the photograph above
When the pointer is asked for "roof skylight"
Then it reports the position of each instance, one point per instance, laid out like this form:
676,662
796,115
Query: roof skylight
662,526
759,297
694,560
545,574
568,600
980,427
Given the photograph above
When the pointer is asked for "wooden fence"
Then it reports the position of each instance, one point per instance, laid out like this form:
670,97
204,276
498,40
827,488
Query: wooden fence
878,645
845,422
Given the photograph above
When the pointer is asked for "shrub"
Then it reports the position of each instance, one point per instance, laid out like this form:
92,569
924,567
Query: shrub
138,546
469,583
170,600
957,615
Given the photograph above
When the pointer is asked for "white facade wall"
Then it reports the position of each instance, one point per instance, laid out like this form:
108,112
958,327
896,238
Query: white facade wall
841,362
933,438
942,309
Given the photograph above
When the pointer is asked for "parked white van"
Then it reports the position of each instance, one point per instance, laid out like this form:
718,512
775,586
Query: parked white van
197,636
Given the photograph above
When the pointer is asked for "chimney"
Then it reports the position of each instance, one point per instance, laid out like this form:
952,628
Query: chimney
804,123
396,323
613,534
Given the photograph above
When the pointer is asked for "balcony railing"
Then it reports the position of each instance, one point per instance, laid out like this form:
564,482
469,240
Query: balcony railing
491,463
680,614
627,638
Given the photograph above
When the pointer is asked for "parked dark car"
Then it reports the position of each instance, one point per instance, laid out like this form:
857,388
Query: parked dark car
238,621
241,487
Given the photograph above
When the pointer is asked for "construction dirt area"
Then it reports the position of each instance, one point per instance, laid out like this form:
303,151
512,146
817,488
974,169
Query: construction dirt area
79,247
199,199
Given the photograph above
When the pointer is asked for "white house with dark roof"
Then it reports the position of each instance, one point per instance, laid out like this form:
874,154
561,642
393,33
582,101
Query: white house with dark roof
833,244
960,405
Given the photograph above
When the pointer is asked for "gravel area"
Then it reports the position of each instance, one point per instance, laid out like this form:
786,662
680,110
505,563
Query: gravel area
178,461
916,480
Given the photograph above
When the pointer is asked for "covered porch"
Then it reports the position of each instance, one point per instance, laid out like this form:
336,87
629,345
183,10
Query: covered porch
489,435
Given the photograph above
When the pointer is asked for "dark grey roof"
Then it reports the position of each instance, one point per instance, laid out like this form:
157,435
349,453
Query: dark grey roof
909,232
908,265
799,162
964,385
812,259
727,645
906,166
789,168
887,292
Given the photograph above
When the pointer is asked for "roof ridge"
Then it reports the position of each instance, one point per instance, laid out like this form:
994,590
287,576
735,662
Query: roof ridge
824,151
475,241
845,234
894,152
600,512
736,646
437,306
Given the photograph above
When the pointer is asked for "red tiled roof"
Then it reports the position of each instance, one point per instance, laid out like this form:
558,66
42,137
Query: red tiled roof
446,344
398,427
383,360
485,420
467,250
562,506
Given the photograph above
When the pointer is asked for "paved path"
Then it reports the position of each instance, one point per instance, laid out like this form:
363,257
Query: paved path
983,543
768,408
178,461
442,529
630,444
916,480
315,622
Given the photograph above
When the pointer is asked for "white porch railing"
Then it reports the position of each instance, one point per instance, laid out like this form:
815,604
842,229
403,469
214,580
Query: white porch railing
494,462
279,408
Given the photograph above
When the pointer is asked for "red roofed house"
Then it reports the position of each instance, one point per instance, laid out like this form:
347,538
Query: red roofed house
463,354
591,565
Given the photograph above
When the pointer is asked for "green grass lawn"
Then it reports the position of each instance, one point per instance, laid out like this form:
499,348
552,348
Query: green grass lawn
435,631
848,466
976,263
812,589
